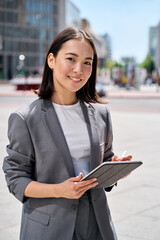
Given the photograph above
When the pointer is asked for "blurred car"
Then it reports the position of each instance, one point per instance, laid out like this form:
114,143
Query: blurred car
26,83
100,90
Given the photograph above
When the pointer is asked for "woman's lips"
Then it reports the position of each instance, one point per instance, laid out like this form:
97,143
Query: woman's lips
75,79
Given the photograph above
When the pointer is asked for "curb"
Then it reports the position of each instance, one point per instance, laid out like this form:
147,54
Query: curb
133,95
17,93
116,94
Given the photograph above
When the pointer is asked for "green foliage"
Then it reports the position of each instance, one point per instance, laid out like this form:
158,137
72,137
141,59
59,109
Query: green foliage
148,63
110,64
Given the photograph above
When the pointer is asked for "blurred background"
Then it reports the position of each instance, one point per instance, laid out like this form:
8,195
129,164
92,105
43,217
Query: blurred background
126,35
127,38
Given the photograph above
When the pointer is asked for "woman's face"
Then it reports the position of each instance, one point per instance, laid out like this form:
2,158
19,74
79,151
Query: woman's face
72,66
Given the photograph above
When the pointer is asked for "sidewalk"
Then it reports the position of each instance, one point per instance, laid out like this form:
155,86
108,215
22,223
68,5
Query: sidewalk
135,202
113,91
144,91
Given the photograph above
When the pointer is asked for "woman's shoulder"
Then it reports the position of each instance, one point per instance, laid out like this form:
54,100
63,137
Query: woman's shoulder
99,107
100,110
29,109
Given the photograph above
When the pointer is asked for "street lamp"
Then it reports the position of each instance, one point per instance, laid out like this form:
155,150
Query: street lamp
21,63
21,57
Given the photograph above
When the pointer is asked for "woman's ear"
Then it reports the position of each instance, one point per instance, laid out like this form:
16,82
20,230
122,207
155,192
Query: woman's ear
51,60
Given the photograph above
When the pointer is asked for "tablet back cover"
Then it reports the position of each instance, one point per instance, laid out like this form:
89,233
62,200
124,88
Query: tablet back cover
109,173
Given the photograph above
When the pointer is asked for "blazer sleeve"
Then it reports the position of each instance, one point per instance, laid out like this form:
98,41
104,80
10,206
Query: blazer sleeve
108,151
18,164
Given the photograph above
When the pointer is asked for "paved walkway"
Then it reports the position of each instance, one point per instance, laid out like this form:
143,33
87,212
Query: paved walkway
135,203
144,91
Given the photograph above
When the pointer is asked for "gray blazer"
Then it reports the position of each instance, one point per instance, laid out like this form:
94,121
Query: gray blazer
38,151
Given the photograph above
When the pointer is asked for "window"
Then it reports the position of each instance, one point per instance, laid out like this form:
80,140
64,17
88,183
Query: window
8,45
1,16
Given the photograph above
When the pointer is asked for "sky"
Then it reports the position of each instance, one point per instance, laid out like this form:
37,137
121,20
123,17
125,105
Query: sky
126,21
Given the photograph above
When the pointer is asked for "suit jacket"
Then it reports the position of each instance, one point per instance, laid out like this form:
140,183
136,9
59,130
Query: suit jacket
38,151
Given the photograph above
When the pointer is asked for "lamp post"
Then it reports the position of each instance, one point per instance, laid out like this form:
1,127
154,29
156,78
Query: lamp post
20,67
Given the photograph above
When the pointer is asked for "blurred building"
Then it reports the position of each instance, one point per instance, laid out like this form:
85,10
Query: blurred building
72,15
153,40
128,60
158,48
98,41
69,14
27,28
154,45
107,40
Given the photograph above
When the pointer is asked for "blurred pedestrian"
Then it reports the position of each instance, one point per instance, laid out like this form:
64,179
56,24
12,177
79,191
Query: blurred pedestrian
158,81
55,141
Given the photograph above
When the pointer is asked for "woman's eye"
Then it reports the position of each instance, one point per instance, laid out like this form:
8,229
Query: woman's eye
88,63
70,59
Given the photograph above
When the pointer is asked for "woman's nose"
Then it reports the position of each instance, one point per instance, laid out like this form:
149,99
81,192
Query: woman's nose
78,68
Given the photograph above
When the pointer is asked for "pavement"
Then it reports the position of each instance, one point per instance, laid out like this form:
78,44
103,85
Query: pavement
144,91
135,202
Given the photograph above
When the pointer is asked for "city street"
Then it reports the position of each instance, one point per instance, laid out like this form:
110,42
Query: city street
135,202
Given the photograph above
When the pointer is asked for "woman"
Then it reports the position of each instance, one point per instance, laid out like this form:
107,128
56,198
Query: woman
56,140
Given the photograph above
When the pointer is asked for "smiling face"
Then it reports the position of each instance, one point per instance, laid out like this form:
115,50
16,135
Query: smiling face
72,68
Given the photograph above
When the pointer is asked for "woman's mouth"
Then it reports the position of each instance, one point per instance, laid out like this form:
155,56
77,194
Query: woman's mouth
75,79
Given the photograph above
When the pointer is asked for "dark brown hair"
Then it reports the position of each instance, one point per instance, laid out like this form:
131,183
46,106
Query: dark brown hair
88,92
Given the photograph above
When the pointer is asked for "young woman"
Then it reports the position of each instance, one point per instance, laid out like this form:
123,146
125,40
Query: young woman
55,141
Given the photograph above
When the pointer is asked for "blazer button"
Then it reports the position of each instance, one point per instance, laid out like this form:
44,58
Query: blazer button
74,207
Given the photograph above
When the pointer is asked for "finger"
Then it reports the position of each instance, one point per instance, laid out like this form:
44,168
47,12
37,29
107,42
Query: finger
84,184
78,178
115,158
78,188
84,189
126,158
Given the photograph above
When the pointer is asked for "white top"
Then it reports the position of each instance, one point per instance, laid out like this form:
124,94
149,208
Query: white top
75,131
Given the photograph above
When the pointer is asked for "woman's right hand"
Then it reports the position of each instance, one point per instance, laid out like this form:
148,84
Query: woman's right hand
73,188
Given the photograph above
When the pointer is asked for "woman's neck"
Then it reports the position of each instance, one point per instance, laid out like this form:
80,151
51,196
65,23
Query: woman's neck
62,99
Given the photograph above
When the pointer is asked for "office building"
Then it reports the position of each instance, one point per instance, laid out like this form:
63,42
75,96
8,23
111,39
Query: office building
27,28
72,16
153,41
158,48
107,40
98,41
69,14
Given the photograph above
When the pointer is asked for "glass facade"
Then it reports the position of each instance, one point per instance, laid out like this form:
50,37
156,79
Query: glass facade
153,41
27,27
72,14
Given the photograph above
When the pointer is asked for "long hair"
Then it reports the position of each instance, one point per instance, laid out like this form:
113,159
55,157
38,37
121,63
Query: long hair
88,92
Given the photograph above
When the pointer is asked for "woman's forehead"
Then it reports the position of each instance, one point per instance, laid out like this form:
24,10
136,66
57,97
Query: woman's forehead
79,47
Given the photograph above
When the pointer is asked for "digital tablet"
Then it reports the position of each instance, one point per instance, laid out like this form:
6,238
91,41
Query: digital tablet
109,173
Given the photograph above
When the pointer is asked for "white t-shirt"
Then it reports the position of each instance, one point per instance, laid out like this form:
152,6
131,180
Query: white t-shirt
75,131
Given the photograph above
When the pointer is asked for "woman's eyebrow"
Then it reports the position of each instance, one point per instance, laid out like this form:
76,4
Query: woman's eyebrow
74,54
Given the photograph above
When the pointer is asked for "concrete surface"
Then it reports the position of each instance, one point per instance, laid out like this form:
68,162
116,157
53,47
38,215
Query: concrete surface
135,202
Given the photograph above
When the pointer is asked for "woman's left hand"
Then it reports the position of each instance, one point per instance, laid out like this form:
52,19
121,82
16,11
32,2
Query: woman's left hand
116,158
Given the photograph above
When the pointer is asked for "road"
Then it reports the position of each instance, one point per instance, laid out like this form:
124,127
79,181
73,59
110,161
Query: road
135,202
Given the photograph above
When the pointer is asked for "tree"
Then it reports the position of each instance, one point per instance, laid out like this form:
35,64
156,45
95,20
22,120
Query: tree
110,64
148,64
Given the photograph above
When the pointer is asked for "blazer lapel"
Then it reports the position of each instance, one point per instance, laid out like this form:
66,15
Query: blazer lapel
89,115
52,123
